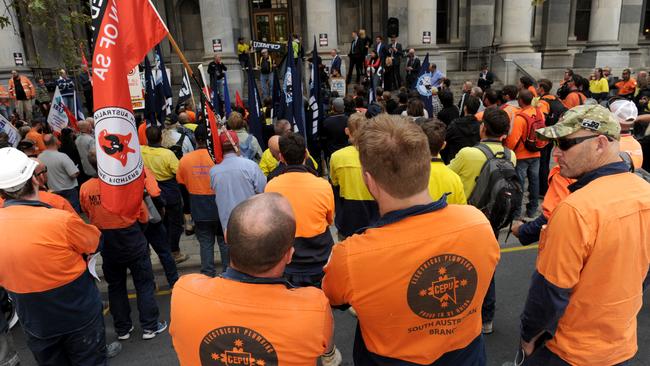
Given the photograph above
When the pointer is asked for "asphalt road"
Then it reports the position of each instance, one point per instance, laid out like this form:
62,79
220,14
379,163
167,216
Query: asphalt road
512,279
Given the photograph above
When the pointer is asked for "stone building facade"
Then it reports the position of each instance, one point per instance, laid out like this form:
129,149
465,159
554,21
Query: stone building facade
458,34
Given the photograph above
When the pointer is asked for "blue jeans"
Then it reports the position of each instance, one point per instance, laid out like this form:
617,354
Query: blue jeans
143,280
205,233
220,89
86,346
72,195
156,235
69,102
5,111
489,303
267,84
529,168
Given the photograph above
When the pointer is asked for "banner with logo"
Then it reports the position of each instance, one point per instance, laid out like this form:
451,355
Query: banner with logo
272,47
10,130
135,88
125,30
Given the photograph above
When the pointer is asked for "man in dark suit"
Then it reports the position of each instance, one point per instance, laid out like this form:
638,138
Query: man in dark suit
335,67
485,78
412,69
356,58
380,48
396,52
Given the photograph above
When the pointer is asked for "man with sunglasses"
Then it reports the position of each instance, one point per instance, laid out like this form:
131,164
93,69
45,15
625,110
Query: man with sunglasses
593,258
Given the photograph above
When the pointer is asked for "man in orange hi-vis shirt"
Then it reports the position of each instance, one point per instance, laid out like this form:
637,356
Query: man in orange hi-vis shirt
58,303
627,86
250,315
594,254
527,160
124,248
441,259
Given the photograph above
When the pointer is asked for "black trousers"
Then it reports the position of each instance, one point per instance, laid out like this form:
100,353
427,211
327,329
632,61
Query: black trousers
85,347
544,357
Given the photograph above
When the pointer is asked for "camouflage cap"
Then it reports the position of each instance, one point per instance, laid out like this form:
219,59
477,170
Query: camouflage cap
594,118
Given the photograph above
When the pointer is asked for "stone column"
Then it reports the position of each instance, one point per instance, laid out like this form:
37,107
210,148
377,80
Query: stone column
603,45
11,43
453,22
517,23
555,34
422,18
220,20
481,23
321,19
629,31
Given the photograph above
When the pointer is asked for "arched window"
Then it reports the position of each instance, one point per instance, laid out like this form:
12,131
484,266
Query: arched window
192,31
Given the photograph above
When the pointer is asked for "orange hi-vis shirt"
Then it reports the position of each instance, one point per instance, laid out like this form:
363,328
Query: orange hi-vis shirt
515,140
441,262
311,198
630,145
51,245
533,91
312,201
51,199
150,183
558,190
598,245
575,98
91,204
194,172
142,133
512,111
56,201
37,138
220,321
626,87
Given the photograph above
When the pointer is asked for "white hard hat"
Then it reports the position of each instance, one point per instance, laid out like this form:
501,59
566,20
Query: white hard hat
16,169
625,111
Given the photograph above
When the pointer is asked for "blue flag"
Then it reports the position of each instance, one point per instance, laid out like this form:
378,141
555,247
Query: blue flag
424,84
163,88
217,103
279,103
292,88
254,118
226,96
315,101
150,95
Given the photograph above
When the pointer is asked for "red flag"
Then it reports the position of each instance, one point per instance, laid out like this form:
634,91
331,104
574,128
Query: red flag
72,120
238,101
125,30
213,131
84,62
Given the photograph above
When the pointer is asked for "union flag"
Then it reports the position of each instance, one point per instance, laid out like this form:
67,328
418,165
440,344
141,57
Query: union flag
124,31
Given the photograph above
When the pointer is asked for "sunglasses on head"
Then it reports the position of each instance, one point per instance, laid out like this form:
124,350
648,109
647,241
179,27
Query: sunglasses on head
565,144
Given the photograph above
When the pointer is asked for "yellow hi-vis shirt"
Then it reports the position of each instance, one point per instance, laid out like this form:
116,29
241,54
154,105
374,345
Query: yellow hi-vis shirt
443,180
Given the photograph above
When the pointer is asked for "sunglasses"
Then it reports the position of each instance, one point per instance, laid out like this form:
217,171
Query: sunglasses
565,144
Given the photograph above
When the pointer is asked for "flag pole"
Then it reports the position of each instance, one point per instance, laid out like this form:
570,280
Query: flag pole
180,54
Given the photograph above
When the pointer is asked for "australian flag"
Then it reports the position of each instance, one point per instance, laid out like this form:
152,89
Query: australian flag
163,88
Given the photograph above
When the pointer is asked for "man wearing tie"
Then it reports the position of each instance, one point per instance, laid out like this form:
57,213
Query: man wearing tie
412,69
335,67
396,52
356,58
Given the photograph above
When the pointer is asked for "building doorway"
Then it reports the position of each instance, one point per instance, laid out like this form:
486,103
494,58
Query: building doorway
271,24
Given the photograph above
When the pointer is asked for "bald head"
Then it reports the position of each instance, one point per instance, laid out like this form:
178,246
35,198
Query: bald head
183,118
50,141
255,249
282,126
84,126
274,146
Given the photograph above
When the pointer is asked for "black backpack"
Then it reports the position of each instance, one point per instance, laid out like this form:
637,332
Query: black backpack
498,192
556,111
177,148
